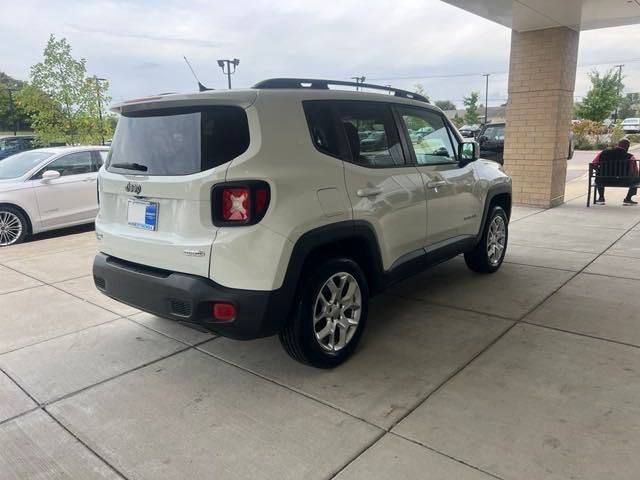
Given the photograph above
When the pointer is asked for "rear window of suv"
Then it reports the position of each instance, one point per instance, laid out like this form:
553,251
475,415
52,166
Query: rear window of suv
178,141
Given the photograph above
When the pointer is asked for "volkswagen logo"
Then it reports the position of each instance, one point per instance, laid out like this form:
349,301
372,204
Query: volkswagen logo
133,188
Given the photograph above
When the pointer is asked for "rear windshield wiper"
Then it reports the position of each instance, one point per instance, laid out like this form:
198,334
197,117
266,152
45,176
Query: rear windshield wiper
130,166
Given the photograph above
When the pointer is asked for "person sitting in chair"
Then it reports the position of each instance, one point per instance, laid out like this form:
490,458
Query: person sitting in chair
614,156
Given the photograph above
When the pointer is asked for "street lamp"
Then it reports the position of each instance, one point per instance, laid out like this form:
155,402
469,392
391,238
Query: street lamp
359,80
235,62
97,82
486,97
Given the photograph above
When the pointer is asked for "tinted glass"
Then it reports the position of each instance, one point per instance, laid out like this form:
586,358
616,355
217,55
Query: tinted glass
72,164
322,127
9,144
371,134
19,164
429,136
495,133
179,141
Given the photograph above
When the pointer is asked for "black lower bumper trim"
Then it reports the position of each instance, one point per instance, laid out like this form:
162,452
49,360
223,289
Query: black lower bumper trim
188,298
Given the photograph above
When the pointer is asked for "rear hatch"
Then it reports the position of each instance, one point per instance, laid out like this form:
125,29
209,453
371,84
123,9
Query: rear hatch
155,188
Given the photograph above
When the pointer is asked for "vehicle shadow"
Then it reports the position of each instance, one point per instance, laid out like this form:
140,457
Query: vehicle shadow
62,232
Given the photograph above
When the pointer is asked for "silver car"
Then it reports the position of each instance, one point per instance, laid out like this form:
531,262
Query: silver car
46,189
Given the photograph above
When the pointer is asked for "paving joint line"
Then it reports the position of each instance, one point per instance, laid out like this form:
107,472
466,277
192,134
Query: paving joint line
457,460
358,455
580,334
84,444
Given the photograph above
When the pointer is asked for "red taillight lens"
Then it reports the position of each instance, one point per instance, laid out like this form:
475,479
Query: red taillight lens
235,204
223,312
240,203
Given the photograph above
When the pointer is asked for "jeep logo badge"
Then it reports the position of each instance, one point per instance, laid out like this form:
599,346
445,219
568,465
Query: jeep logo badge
133,188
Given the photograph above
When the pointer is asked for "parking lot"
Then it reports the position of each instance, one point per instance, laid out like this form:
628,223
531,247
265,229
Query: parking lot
533,372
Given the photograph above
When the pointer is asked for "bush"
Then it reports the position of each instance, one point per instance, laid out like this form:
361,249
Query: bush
634,137
600,145
582,143
617,132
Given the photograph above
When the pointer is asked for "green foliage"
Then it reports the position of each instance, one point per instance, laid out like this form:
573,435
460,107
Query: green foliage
11,115
602,99
62,101
629,106
583,143
617,132
445,105
471,115
457,120
419,89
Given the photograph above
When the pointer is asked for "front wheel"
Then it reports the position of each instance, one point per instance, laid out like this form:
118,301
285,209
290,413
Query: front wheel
489,254
13,226
330,316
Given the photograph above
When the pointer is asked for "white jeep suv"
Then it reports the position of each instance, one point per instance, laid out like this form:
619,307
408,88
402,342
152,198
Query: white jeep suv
282,208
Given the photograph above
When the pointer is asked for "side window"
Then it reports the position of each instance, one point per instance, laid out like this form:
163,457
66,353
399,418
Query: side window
429,136
322,127
371,134
72,164
100,157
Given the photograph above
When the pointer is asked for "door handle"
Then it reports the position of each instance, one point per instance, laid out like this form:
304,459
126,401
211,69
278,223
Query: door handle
440,183
369,192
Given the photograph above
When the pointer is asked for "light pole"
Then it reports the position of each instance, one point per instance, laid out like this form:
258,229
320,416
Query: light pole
359,80
486,97
619,67
235,62
97,82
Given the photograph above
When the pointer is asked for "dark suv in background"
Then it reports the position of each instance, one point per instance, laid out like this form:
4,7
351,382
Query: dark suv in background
10,145
491,140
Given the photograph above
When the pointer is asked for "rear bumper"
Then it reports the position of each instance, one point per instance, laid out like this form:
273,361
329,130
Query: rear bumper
187,298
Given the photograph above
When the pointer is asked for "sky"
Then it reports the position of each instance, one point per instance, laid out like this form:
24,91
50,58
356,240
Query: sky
138,45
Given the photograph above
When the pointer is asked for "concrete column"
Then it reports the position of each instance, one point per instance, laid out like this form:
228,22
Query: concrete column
542,77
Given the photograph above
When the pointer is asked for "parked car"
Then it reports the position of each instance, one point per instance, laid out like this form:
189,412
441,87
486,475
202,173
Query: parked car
469,131
631,125
491,140
375,141
10,145
258,212
48,188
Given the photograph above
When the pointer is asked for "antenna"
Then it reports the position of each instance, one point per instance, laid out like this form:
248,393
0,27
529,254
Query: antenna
201,87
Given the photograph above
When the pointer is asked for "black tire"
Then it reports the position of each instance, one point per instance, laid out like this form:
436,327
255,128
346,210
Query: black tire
298,338
478,259
10,214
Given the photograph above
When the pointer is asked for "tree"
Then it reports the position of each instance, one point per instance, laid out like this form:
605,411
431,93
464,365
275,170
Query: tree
419,89
445,105
602,99
471,114
62,101
457,120
11,115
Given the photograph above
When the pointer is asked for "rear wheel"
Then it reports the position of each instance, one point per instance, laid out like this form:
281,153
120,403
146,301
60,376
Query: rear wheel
13,226
330,315
489,254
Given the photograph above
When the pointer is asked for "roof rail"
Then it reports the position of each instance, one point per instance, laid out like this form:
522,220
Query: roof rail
318,84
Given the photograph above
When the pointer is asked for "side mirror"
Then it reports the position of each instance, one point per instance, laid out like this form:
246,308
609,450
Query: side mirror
49,175
468,152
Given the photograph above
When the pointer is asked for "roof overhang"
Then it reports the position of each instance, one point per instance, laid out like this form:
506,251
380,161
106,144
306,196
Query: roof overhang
527,15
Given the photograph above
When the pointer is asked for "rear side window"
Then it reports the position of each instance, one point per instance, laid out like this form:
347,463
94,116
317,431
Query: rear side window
371,134
322,127
178,141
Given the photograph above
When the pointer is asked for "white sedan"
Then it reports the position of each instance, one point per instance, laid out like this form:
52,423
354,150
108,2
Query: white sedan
48,188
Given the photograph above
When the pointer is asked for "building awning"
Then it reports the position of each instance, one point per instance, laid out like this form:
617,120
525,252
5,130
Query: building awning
527,15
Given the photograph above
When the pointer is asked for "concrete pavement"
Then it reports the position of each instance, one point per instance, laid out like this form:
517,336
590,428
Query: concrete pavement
530,373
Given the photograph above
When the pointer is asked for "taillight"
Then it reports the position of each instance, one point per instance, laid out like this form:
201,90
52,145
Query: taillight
223,311
240,203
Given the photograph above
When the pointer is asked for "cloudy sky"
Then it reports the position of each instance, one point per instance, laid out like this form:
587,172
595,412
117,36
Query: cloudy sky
139,44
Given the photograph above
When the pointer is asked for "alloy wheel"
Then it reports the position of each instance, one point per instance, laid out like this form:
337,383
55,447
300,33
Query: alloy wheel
336,312
10,228
496,240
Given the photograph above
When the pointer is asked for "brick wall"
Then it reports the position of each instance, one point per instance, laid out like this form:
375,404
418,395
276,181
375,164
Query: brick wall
542,76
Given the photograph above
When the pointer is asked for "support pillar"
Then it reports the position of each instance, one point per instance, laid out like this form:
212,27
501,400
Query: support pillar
542,78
